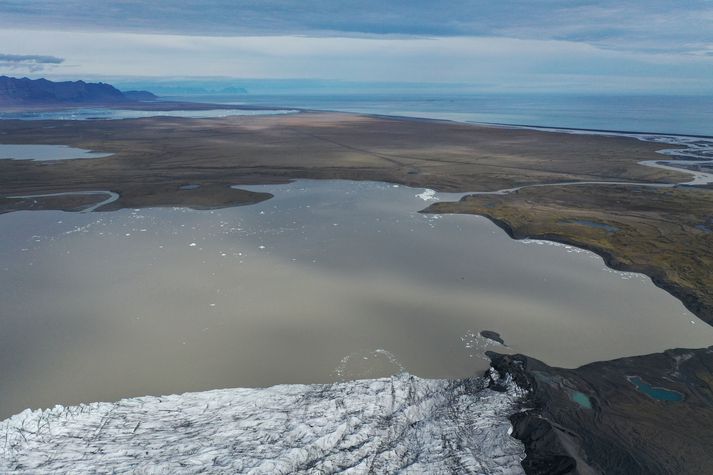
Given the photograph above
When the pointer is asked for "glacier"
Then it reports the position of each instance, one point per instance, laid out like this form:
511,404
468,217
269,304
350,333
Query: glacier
401,424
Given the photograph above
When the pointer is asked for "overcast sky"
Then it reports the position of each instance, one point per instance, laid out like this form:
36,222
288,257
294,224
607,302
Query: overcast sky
616,46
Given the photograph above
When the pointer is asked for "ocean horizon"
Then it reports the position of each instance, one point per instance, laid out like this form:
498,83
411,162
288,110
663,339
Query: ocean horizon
658,114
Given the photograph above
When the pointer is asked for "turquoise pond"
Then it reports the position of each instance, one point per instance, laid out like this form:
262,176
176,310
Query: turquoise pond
593,224
658,393
581,399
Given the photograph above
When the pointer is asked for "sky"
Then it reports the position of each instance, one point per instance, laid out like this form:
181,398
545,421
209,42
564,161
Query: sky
644,46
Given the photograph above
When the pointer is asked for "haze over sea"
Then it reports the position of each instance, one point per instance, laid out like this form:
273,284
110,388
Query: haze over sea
670,114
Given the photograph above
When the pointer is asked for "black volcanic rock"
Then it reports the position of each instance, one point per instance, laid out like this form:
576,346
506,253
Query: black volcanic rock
26,91
594,419
491,335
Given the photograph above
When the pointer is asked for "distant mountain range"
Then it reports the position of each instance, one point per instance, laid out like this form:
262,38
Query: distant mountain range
192,88
24,91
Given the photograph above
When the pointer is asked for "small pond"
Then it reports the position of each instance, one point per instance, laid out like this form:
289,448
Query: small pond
43,153
657,393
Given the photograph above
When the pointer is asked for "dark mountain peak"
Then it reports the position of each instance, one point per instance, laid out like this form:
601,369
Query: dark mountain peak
14,91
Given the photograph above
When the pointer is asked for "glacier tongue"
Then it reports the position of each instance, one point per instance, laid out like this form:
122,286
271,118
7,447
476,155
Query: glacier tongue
399,424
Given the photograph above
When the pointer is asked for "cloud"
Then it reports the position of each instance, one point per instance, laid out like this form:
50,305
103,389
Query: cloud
29,62
654,45
479,62
30,58
643,25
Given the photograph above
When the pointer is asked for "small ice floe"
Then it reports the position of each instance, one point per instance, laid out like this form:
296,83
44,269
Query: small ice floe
427,195
492,335
380,362
261,247
566,247
476,344
192,244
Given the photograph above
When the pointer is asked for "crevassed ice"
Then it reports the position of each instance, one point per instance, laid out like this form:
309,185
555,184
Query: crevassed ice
399,424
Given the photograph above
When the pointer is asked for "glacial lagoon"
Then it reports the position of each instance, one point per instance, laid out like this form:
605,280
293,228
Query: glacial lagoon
327,281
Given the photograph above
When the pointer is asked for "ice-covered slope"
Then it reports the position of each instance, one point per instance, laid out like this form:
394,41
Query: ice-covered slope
402,423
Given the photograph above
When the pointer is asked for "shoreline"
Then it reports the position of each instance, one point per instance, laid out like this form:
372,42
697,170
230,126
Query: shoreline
167,105
158,105
590,419
689,301
593,419
212,194
285,428
148,169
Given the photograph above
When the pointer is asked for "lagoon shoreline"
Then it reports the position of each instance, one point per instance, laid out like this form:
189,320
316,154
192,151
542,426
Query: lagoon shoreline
153,159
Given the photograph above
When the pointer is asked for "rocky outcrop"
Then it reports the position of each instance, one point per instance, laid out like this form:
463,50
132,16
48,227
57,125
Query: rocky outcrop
614,417
595,419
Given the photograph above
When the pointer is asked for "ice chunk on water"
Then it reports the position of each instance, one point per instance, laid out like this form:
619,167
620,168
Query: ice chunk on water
427,195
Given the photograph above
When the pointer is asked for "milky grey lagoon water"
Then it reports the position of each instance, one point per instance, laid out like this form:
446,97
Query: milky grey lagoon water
327,281
113,114
45,152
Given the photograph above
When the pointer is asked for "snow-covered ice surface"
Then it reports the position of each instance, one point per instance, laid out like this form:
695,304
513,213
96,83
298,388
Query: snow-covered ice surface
401,424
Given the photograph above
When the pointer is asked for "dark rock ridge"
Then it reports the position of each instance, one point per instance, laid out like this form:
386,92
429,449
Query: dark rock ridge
494,336
14,91
593,419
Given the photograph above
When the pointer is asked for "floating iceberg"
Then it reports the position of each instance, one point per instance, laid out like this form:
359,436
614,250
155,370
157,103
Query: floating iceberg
427,195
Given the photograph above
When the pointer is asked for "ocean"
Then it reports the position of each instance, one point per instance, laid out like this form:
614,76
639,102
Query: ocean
686,115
